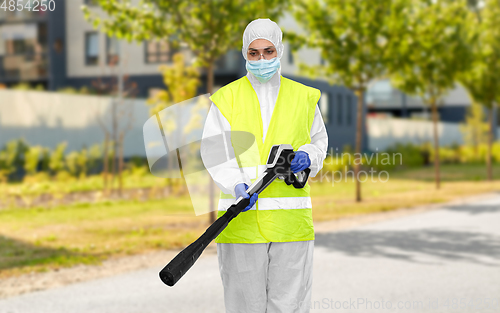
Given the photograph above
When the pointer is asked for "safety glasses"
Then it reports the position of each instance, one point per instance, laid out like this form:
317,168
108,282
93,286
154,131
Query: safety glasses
255,54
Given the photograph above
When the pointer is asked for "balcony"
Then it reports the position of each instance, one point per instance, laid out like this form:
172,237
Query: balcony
23,67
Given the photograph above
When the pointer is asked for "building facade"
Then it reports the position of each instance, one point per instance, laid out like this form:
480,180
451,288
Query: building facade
25,38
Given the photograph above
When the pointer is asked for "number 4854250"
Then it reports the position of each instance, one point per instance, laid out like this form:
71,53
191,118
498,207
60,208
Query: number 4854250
28,5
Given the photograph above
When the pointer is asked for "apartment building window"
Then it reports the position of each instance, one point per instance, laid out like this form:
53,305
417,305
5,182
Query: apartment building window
290,55
19,46
91,48
349,110
112,50
323,106
339,108
158,51
42,34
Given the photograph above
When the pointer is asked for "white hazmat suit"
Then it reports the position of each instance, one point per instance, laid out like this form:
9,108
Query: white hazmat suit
275,276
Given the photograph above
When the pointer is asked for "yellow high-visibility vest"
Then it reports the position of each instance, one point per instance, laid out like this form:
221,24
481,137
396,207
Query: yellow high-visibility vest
282,213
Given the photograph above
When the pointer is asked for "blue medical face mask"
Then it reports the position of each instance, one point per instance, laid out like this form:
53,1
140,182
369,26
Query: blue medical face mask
263,70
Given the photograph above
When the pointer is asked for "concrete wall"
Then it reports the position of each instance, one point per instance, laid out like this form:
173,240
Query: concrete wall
385,132
47,119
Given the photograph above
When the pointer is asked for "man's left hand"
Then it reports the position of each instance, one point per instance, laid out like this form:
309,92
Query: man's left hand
300,162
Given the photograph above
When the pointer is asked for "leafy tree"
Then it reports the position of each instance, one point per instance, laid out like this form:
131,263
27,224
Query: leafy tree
432,50
182,82
475,129
354,39
482,80
208,28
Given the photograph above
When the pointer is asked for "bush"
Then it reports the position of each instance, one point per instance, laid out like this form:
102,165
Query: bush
31,159
94,158
405,155
336,163
452,154
12,158
449,155
7,160
64,176
73,91
495,152
82,162
72,163
22,86
56,161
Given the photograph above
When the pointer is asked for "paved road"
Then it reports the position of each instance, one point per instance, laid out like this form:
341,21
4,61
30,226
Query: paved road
446,260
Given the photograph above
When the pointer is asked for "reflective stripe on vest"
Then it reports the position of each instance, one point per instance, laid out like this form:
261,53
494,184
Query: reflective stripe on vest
282,212
281,203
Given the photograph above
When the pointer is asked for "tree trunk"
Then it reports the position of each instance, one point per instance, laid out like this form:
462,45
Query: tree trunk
436,143
211,187
169,180
359,132
118,137
114,138
120,165
490,142
113,166
106,163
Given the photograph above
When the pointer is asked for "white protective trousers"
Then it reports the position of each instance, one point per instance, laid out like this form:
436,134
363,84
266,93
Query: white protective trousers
274,277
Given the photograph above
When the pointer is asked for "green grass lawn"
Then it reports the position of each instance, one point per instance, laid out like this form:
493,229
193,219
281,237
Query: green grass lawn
38,239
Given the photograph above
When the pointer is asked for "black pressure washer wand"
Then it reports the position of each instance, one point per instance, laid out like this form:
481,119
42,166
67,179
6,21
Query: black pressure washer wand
278,166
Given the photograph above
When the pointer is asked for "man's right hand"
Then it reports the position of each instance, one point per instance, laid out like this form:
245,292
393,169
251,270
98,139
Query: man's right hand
240,191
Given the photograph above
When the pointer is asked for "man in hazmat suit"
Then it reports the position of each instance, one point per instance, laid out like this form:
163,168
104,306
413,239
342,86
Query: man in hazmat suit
266,253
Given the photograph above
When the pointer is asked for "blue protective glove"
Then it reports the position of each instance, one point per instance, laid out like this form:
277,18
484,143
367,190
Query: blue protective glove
240,190
300,162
